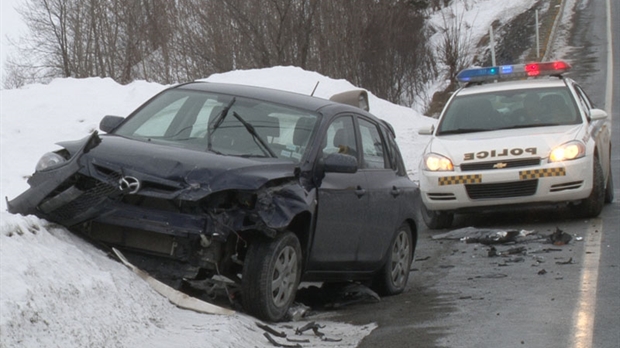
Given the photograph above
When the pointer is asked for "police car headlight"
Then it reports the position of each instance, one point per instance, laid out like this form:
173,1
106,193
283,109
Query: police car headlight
437,163
567,152
49,160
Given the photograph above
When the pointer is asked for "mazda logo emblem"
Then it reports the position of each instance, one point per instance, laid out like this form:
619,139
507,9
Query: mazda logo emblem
129,184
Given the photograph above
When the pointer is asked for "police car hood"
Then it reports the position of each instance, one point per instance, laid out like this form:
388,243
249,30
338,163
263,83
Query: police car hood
508,144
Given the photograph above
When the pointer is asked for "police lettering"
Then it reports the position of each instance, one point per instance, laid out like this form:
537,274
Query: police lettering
499,153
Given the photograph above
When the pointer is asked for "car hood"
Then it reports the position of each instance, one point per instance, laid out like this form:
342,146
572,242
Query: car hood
173,172
509,144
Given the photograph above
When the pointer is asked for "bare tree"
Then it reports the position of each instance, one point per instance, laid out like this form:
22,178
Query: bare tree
456,49
376,44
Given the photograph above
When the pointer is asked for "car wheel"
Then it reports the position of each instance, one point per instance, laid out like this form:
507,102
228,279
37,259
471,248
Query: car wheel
593,205
271,274
609,188
436,220
393,277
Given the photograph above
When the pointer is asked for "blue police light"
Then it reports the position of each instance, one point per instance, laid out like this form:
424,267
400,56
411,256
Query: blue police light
478,74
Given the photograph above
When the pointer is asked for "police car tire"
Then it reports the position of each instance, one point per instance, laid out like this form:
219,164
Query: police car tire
593,205
609,188
436,220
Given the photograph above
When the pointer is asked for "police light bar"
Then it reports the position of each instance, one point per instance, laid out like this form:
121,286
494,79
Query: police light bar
512,71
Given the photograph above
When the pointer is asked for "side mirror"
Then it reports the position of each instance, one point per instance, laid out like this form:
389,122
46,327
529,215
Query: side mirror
597,114
358,98
426,130
340,163
109,123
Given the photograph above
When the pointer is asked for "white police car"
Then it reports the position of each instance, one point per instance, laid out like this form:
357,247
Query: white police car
502,142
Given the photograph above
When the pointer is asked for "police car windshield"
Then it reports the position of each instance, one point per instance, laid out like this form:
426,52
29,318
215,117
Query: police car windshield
521,108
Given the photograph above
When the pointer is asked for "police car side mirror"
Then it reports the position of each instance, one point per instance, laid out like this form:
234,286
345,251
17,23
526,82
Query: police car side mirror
426,130
597,114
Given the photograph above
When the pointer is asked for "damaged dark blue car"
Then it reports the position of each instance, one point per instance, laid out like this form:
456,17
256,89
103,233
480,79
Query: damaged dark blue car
265,188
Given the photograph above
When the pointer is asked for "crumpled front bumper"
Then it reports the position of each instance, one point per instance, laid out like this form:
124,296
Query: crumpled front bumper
44,183
66,196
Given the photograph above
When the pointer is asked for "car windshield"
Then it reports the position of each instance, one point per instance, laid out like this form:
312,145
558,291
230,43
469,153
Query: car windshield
509,109
222,124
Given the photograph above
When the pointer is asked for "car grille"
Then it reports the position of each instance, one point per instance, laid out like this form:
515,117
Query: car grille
508,164
502,190
93,193
441,196
566,186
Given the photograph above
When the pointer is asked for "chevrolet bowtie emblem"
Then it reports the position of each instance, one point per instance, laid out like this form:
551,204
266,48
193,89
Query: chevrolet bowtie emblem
500,165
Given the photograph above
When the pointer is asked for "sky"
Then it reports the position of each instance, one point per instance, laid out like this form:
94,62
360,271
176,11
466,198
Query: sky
56,290
11,26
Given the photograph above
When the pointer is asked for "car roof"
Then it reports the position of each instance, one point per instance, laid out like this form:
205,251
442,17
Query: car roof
292,99
512,85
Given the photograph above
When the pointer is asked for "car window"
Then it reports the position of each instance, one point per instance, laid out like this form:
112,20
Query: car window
250,128
394,157
340,137
372,145
584,100
161,120
535,107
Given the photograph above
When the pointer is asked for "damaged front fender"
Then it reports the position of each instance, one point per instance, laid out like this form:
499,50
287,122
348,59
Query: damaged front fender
43,183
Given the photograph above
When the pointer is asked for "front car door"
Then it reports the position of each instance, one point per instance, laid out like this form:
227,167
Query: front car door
342,205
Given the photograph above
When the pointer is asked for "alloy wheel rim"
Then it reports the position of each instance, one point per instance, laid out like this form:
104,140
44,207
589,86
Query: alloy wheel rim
284,276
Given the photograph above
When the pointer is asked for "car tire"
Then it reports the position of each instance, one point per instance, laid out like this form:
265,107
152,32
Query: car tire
593,205
436,220
609,188
393,277
270,277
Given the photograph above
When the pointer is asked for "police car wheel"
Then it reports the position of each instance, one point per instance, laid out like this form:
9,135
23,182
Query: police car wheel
436,220
609,188
593,205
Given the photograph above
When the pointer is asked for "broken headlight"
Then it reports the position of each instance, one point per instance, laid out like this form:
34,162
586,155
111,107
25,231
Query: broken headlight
49,160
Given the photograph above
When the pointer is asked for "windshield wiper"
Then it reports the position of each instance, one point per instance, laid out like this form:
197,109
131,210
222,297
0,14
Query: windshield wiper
255,135
217,121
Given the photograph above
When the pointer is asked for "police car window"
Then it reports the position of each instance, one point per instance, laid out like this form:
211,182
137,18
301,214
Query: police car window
585,102
372,145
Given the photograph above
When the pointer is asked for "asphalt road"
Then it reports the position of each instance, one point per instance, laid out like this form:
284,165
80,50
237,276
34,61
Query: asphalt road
554,296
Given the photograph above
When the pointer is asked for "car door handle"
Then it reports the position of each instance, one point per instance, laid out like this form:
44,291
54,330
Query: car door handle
360,191
395,191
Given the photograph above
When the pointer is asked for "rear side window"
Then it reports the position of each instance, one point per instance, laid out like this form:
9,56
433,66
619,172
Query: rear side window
372,145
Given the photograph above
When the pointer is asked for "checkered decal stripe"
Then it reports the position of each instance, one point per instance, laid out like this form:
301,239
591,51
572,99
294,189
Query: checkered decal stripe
460,179
541,173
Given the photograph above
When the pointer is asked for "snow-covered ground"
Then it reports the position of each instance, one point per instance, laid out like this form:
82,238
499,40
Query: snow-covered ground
58,291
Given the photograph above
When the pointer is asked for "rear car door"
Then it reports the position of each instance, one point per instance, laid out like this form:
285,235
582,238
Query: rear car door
384,193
